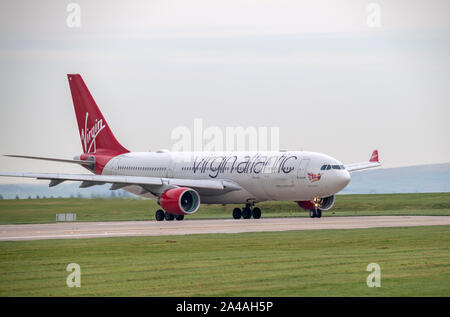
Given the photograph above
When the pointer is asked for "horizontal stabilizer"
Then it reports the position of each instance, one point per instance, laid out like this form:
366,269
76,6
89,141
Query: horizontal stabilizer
52,159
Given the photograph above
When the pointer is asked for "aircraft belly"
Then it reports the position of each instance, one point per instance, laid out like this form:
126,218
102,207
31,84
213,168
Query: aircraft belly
235,197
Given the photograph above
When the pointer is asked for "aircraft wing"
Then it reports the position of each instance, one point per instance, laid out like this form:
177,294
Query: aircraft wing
119,181
373,162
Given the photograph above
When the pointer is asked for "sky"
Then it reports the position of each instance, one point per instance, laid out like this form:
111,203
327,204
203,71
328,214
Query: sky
336,77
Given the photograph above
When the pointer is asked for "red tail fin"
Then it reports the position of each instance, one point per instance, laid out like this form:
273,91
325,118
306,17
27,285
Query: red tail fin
96,136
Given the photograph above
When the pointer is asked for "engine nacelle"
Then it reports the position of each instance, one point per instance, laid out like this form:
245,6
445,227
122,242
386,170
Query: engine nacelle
321,203
180,201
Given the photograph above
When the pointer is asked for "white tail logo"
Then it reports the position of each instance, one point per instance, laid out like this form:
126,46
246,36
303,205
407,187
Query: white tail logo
88,136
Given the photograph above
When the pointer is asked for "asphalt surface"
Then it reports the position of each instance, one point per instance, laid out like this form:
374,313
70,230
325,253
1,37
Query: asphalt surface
76,230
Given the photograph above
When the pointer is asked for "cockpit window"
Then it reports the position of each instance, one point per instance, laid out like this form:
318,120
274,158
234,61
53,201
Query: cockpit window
338,167
335,167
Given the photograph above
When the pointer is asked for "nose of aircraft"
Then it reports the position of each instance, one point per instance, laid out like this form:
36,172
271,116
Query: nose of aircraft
343,178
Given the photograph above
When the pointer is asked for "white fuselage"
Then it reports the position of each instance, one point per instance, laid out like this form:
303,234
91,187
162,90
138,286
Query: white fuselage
289,175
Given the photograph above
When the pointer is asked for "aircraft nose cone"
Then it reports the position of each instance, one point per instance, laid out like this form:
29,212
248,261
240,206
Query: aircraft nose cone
343,178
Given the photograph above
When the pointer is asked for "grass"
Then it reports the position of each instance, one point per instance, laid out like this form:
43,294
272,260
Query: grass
44,210
414,261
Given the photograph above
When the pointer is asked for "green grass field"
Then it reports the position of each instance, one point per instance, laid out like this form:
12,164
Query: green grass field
414,261
44,210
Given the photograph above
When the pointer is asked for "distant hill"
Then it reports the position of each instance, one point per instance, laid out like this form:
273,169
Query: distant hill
10,191
412,179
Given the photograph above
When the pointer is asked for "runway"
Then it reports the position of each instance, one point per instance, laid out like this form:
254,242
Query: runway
78,230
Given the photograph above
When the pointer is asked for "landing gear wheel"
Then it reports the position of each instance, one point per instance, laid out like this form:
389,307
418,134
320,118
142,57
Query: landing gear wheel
256,213
318,213
179,217
312,213
237,213
246,213
168,217
159,215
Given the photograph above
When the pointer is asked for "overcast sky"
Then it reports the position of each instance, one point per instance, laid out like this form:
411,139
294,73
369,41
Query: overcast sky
315,69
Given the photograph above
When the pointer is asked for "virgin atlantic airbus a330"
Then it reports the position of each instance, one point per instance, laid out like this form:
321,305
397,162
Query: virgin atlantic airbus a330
183,180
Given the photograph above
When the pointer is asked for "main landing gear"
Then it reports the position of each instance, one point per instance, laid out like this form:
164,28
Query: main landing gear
247,212
315,213
160,215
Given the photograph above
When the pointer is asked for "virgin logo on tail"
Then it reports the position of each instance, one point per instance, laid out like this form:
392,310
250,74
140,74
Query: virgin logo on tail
88,136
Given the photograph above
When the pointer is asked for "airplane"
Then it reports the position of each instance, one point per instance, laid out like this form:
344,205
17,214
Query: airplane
182,180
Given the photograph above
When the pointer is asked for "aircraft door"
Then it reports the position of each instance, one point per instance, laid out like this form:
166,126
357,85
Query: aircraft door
302,170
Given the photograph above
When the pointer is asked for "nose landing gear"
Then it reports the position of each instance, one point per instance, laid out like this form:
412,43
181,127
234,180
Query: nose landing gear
315,213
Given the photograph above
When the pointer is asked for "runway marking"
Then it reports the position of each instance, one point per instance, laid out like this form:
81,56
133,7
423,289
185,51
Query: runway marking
165,228
62,236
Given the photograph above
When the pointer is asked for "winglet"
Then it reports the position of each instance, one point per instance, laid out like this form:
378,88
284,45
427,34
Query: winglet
374,157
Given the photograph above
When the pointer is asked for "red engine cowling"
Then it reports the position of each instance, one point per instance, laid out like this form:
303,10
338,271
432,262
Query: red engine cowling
180,201
321,203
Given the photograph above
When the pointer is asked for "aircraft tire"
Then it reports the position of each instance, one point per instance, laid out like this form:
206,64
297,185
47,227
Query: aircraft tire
256,213
246,213
318,213
237,213
168,216
159,215
312,213
179,217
